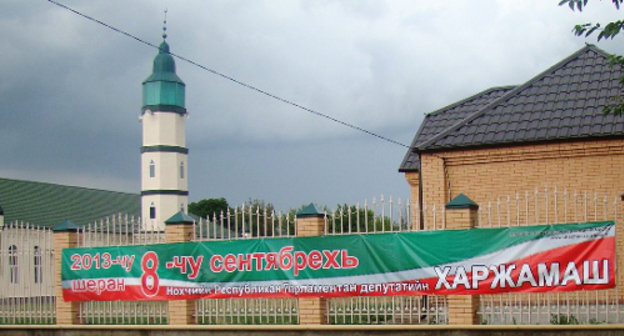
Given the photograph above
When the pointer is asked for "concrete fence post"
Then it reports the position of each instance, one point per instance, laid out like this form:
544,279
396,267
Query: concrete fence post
179,228
461,214
312,311
65,236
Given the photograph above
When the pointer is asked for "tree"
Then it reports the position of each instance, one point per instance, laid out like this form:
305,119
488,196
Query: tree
606,31
352,219
257,218
610,30
208,207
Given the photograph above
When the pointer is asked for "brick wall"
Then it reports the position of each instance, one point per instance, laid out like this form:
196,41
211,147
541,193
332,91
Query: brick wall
312,311
483,173
488,173
66,312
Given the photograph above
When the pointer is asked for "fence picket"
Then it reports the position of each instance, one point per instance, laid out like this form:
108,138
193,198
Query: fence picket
28,271
26,274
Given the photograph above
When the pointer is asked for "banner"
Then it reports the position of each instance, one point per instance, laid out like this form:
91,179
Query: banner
563,257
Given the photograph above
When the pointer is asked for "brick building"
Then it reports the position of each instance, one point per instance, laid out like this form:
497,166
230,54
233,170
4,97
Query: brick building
545,148
547,132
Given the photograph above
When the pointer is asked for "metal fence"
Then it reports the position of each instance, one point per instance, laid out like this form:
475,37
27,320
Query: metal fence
121,230
26,274
246,222
539,206
27,265
551,206
388,310
379,216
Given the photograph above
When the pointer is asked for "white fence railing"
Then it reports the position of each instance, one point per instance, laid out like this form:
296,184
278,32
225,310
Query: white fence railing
26,275
383,215
379,216
551,206
388,310
253,222
540,206
27,270
121,230
246,222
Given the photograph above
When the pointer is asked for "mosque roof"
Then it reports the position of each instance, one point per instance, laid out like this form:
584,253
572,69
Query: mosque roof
47,204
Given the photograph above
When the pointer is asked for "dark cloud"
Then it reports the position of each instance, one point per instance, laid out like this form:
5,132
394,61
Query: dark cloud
70,89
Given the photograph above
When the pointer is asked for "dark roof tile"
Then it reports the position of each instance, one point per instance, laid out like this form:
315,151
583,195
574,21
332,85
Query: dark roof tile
563,102
439,120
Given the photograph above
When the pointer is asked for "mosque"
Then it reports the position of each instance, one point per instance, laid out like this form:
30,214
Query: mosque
29,209
164,168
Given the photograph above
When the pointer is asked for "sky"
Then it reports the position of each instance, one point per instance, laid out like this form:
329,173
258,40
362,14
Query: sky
71,89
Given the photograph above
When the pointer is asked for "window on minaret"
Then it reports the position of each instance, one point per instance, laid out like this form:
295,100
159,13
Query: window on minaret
38,272
152,211
181,169
13,264
152,169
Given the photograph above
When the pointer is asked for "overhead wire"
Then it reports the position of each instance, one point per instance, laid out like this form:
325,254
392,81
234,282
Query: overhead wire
230,78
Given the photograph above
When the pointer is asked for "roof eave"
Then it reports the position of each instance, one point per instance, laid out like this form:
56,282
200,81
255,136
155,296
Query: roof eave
431,141
519,144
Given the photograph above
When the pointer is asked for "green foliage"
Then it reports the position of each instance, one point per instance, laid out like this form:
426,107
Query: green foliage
606,31
249,320
609,30
125,320
564,320
371,318
208,207
617,102
593,320
33,310
27,320
256,219
348,218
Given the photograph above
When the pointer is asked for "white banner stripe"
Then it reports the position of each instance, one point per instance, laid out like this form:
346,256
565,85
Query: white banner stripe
503,256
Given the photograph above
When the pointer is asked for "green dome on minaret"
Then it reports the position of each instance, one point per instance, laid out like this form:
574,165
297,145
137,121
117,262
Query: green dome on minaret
163,90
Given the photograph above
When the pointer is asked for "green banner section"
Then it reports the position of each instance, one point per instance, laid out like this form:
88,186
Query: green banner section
152,271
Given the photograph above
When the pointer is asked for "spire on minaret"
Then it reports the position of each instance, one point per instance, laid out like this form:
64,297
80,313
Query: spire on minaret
163,87
164,34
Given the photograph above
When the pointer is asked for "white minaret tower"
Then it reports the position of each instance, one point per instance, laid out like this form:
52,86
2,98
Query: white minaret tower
164,187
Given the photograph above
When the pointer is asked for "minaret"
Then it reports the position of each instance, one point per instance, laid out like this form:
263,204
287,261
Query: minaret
164,187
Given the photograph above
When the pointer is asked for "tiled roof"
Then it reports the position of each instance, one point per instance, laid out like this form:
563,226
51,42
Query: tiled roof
564,102
47,204
439,120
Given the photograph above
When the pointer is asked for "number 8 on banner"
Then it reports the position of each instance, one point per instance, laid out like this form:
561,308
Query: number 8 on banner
149,279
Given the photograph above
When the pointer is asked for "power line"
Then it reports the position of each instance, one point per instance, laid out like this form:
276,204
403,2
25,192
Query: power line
232,79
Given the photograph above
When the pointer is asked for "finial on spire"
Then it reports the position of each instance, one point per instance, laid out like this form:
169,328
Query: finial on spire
164,35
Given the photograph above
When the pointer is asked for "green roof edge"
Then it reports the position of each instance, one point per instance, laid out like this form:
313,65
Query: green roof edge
66,226
180,218
461,202
308,211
